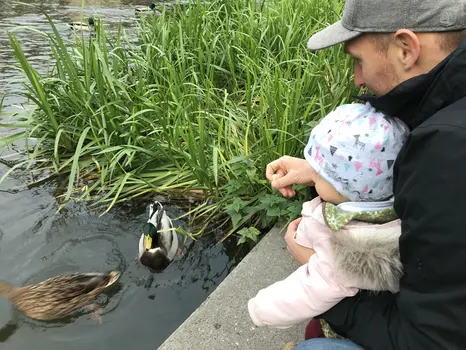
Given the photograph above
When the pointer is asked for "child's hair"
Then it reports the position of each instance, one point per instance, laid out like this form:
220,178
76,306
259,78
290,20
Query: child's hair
354,148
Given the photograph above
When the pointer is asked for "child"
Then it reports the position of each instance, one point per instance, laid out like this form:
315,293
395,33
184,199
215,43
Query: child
350,230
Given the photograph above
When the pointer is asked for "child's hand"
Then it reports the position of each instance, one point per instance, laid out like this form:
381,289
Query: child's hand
300,254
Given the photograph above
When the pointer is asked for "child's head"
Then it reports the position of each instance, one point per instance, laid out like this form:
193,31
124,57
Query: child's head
352,151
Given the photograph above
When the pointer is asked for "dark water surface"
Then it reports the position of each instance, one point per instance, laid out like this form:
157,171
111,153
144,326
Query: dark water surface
36,242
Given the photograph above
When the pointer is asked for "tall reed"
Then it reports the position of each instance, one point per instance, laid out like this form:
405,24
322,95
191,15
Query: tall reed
199,103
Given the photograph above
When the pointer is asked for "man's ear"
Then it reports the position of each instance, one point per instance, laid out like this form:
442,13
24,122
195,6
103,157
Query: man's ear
408,48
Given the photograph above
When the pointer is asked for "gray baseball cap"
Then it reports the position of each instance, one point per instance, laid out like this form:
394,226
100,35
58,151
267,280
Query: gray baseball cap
388,16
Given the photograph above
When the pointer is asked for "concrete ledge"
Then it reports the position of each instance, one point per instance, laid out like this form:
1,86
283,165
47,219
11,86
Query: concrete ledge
223,322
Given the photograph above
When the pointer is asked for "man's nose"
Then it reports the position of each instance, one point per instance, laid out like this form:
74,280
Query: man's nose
358,79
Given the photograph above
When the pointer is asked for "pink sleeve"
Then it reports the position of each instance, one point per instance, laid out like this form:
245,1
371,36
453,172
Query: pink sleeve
303,234
306,293
312,224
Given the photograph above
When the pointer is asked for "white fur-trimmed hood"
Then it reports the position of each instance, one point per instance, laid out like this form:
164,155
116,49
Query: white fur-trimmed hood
369,255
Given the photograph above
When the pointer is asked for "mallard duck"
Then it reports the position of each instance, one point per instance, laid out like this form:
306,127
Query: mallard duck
83,26
146,9
59,296
159,242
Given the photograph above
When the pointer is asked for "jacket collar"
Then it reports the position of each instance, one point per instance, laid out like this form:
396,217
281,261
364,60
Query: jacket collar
336,218
416,99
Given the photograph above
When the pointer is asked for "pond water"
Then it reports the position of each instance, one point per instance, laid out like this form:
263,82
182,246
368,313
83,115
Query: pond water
36,242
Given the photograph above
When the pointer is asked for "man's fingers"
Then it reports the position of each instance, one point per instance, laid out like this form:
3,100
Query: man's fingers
280,173
287,191
291,192
271,169
282,182
283,191
278,165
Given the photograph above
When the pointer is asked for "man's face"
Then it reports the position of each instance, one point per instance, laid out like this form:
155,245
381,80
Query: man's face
372,68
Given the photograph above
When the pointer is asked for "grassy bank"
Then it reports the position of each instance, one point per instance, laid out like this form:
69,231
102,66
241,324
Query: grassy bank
198,105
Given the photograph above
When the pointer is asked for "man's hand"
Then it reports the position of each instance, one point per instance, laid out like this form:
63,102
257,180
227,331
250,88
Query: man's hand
287,171
299,253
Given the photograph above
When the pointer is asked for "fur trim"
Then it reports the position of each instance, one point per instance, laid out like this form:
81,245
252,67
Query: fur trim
369,256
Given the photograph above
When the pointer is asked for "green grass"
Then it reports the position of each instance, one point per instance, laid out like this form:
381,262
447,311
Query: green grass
197,106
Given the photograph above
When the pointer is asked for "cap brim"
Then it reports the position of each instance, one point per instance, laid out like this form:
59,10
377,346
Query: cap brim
330,36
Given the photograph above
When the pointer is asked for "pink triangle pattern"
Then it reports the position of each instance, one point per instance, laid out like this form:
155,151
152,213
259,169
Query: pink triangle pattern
358,165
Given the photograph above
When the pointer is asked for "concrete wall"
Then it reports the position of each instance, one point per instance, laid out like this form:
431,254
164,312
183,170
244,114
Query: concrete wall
222,321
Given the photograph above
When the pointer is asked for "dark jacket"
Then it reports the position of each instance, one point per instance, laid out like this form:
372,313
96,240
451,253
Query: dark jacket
429,312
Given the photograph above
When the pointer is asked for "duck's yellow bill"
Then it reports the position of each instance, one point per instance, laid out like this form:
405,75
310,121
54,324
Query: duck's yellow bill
147,242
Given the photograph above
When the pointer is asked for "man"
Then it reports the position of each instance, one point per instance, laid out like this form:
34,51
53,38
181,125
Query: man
411,55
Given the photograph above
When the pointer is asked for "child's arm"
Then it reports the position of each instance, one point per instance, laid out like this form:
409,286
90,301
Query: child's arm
309,291
306,293
300,253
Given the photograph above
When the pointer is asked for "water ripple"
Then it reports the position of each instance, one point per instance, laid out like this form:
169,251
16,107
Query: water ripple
36,242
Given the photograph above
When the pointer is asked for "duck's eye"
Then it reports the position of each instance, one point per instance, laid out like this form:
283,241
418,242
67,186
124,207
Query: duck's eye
153,231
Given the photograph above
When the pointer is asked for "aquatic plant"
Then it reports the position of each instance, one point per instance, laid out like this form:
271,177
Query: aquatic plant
197,105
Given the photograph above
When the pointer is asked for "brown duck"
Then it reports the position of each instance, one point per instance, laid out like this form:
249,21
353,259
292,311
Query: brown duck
59,296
